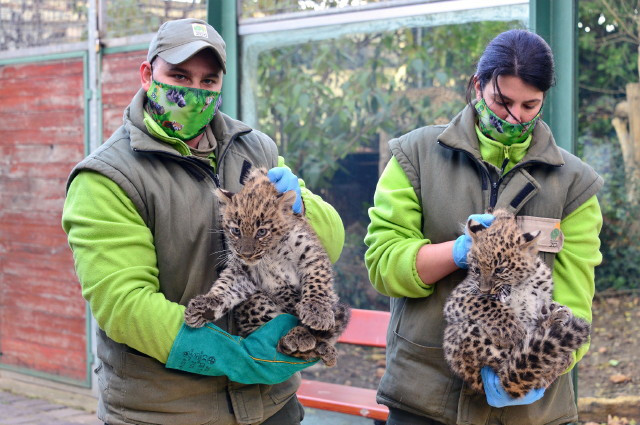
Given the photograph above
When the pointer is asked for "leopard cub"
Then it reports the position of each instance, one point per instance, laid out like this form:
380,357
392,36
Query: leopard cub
275,265
502,314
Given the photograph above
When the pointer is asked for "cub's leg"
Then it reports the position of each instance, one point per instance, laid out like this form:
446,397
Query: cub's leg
326,340
230,289
467,348
548,352
257,310
295,343
318,298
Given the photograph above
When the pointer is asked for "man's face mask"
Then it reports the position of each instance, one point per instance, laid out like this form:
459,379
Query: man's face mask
500,130
183,112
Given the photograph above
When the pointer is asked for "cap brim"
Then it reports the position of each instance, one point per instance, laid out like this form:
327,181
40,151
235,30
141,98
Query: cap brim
179,54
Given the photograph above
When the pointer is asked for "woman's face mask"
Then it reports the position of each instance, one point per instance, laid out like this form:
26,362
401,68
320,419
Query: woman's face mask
183,112
500,130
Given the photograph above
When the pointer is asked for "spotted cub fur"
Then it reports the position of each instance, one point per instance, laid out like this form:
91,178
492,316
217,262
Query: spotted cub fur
502,314
275,265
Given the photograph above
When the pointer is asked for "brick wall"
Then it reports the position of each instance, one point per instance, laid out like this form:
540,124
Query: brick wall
42,117
42,314
120,82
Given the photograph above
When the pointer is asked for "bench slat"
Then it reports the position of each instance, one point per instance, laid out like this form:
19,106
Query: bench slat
341,398
366,327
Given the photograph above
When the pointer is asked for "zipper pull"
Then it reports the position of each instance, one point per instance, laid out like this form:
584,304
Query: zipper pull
504,166
216,180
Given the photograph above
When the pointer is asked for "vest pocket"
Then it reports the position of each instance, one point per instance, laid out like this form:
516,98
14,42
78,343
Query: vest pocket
282,392
417,377
146,392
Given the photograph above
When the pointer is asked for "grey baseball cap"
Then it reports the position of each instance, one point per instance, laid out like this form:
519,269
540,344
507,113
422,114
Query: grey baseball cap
176,41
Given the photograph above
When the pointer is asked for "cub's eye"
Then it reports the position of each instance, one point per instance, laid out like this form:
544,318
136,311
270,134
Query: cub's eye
475,270
261,233
500,270
235,231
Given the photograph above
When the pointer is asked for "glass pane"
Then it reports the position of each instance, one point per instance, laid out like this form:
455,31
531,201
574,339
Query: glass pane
24,25
332,98
133,17
264,8
609,131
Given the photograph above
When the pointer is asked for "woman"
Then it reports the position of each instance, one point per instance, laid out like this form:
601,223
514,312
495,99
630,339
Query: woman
496,153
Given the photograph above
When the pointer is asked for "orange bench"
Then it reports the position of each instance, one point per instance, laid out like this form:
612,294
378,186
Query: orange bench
368,328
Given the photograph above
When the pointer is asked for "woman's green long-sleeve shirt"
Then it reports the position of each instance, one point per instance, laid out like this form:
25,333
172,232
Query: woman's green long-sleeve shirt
394,237
115,261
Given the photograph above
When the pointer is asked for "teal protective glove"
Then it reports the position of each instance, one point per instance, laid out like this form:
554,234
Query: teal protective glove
284,180
498,397
252,360
462,245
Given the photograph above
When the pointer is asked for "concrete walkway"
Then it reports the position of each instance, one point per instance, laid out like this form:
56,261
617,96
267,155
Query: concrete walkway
19,409
26,400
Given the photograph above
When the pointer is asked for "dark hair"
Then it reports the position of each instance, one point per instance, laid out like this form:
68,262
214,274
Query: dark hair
518,53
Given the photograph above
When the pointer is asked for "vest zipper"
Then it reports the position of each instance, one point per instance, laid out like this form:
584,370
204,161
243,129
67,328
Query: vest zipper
216,177
203,167
493,199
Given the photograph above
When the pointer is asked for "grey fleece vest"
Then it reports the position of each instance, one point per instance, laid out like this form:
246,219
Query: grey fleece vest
452,181
174,195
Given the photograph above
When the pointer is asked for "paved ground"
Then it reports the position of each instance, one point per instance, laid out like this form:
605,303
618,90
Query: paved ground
19,409
23,410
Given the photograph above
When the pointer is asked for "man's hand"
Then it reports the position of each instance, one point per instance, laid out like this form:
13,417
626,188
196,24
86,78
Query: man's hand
463,243
284,180
498,397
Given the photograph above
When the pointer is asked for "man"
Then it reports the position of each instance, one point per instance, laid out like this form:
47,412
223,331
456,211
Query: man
143,225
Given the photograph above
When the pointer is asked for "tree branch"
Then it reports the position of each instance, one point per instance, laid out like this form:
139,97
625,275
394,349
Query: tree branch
601,90
620,21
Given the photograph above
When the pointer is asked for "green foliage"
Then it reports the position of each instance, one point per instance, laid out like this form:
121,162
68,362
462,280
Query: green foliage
352,281
126,17
620,235
327,102
324,100
608,60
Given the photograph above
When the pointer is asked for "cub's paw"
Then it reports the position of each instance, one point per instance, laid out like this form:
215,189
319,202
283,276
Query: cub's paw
327,353
317,316
202,310
560,314
297,340
580,329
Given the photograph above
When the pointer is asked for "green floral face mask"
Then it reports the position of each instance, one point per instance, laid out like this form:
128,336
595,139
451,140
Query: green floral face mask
183,112
500,130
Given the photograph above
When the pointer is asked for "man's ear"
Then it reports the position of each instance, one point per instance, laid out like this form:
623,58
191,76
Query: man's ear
145,75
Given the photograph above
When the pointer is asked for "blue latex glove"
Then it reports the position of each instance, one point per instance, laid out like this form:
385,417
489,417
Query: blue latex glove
463,243
498,397
285,180
252,360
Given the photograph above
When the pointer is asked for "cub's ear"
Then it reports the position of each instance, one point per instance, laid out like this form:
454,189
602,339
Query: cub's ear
529,240
474,227
287,200
224,196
